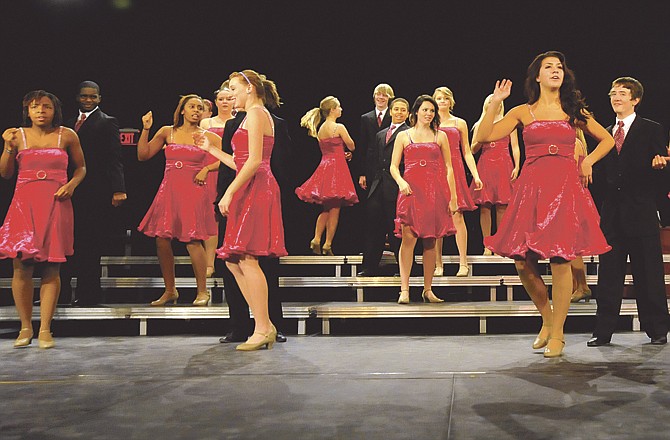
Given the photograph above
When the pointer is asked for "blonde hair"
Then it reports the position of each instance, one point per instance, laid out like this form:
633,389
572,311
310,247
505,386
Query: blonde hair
487,101
313,117
384,88
448,93
265,89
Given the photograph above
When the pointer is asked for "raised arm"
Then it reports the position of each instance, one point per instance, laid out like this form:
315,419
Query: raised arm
489,131
147,149
8,157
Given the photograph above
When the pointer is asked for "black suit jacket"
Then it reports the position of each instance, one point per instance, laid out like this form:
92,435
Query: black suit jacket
631,188
280,161
367,142
378,165
101,144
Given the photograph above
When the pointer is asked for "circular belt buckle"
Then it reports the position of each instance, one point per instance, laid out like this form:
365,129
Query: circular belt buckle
553,149
422,162
492,144
41,174
179,164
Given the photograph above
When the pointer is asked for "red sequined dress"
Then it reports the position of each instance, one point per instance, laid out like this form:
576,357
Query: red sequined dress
495,170
465,202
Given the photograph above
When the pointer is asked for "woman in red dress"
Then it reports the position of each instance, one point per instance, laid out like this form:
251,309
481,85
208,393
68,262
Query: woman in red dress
331,184
39,226
456,130
210,171
497,173
180,209
551,214
252,201
427,192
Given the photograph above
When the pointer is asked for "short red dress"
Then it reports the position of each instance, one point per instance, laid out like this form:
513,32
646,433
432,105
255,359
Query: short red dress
550,213
465,202
495,169
331,182
426,210
254,225
37,226
212,176
181,209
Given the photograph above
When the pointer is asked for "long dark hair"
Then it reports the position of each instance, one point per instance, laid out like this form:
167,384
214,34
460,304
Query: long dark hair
39,94
435,123
572,101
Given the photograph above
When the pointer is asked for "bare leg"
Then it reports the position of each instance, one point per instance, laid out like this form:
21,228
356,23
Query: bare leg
461,243
406,256
210,251
331,225
254,287
439,263
321,221
485,220
537,290
166,262
500,213
561,279
429,257
49,292
199,263
579,285
22,290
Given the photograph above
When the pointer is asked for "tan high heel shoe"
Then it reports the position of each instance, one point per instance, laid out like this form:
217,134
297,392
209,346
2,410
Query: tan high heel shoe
166,297
439,271
539,341
24,339
487,252
554,348
326,250
404,297
46,340
315,246
202,299
581,295
463,271
429,296
209,272
268,341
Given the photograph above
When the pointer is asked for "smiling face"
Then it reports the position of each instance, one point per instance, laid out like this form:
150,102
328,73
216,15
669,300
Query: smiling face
551,73
381,100
622,101
426,113
399,112
41,111
238,90
88,99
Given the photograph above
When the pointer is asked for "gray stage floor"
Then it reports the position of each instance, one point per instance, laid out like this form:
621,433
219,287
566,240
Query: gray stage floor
383,387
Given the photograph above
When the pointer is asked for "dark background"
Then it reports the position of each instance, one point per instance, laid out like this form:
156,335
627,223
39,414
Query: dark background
144,54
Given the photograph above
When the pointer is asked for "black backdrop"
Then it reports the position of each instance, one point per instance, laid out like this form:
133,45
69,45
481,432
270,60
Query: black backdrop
146,53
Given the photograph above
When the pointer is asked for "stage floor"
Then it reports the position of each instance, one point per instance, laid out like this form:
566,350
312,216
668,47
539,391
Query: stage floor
314,387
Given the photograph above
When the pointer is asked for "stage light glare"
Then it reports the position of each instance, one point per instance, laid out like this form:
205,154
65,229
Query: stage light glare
122,4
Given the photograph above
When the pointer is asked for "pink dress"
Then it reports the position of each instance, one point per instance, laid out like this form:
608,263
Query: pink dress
255,225
331,181
37,226
465,202
426,210
181,209
495,169
550,213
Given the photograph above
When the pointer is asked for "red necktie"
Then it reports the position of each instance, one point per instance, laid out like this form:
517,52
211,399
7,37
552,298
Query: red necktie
379,119
619,137
390,133
80,121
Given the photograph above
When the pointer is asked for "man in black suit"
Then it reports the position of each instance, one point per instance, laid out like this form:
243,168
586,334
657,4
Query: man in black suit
632,176
371,123
96,197
241,324
380,207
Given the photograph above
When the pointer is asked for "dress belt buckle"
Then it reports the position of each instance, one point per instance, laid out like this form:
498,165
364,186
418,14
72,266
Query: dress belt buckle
179,164
492,144
41,174
553,149
422,162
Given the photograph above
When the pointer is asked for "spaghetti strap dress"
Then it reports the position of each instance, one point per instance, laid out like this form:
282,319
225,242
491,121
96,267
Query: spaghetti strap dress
465,202
495,169
426,210
37,226
212,175
181,209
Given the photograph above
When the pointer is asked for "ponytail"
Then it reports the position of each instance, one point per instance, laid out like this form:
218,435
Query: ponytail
311,121
271,96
